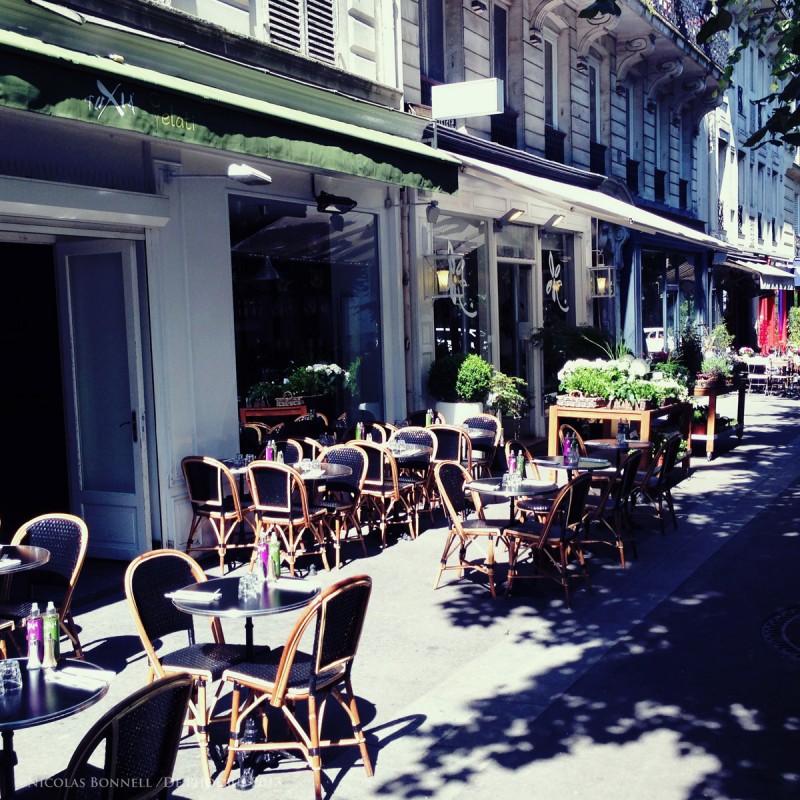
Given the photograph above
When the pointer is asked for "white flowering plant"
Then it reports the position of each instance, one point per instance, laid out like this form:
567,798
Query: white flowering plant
626,378
316,379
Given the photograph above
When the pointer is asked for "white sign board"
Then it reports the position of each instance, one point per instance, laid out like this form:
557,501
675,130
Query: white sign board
467,99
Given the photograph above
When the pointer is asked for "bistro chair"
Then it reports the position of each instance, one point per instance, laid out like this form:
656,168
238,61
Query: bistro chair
612,510
653,486
66,537
289,677
566,430
757,378
554,546
373,431
388,498
342,496
485,446
451,478
214,496
292,451
452,444
418,466
249,439
136,742
316,415
148,579
281,503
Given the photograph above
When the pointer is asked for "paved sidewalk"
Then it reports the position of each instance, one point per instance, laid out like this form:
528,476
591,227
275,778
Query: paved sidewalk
658,685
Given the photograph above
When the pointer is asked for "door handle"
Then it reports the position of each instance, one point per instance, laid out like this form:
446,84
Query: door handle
132,423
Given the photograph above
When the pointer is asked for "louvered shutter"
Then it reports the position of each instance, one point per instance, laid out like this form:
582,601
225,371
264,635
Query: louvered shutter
304,26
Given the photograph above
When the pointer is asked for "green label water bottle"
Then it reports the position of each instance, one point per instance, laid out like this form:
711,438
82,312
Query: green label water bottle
275,555
50,631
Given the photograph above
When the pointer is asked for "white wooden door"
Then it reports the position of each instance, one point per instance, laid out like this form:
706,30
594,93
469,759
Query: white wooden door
104,396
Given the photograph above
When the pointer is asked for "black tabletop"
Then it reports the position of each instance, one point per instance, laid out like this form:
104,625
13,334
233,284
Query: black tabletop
48,695
285,594
585,464
526,488
19,557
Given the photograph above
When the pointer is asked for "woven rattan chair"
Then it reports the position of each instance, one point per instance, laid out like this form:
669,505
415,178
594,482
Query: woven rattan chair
214,496
452,444
136,742
419,466
484,447
450,479
569,430
148,579
419,418
289,677
281,503
342,496
66,537
388,498
553,547
611,513
653,486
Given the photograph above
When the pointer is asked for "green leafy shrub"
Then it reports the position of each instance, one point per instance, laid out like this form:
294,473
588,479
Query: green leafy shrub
474,379
506,395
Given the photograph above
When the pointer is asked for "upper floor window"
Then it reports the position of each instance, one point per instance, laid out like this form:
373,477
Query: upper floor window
500,46
550,82
594,104
431,46
307,27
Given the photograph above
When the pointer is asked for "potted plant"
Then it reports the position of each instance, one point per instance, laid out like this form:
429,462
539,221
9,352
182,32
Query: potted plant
506,398
261,394
460,384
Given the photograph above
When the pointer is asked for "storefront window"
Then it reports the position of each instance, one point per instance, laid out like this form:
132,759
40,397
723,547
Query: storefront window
306,291
460,311
558,300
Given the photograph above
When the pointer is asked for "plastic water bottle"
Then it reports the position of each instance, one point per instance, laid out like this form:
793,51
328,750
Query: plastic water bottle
50,632
275,556
269,454
620,433
34,634
428,417
263,555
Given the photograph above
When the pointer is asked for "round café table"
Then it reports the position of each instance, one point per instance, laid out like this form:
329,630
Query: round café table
45,696
583,464
276,597
493,487
20,557
619,447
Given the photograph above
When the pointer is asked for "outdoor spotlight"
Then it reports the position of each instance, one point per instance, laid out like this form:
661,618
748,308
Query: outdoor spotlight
334,204
512,215
246,174
432,212
478,6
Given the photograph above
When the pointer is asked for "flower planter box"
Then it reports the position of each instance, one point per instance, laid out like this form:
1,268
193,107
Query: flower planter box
578,400
626,405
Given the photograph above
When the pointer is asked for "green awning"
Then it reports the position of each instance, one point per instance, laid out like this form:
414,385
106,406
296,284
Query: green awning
47,79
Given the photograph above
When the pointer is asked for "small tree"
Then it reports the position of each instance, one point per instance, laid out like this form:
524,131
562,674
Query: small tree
793,326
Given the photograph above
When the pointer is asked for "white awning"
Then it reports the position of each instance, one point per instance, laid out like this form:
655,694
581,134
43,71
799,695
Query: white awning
769,277
566,198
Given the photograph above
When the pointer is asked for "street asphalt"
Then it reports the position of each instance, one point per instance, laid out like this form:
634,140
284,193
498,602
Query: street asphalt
674,679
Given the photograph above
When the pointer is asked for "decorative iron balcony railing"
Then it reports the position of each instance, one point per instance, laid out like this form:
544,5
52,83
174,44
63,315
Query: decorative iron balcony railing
687,16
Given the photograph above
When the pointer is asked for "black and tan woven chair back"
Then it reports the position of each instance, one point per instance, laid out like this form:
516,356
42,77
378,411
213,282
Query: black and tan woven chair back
452,444
488,423
417,435
569,507
292,451
148,579
274,487
338,617
66,537
206,481
376,475
140,737
450,479
622,488
347,456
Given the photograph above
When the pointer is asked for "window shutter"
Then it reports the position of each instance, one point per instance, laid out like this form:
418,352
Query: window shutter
320,31
303,26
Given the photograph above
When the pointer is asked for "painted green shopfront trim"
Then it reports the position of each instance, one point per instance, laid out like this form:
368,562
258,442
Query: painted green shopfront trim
47,79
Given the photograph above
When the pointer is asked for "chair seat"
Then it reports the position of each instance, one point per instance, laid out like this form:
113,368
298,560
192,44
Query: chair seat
209,657
333,505
295,517
228,506
477,526
263,670
533,505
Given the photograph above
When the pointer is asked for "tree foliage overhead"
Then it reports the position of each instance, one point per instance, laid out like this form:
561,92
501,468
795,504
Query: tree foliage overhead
772,24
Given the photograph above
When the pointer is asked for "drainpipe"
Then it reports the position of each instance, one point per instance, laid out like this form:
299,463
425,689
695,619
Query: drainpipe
405,261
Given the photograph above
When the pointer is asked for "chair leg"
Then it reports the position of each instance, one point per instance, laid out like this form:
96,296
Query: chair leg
67,624
233,741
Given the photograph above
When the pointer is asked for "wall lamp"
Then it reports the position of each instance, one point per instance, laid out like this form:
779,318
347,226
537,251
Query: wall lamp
512,215
334,203
478,6
242,173
431,212
603,283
